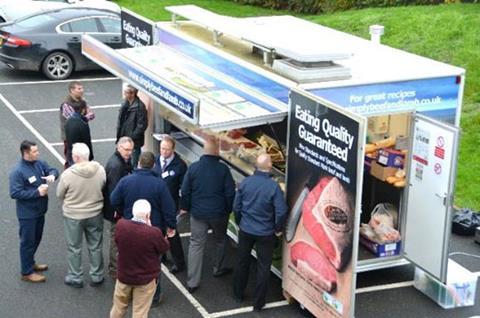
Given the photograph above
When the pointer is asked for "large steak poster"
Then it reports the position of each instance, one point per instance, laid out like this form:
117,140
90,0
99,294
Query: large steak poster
323,168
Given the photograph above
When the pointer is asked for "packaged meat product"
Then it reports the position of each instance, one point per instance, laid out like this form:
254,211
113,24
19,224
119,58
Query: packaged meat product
384,213
367,231
328,215
312,263
237,133
386,234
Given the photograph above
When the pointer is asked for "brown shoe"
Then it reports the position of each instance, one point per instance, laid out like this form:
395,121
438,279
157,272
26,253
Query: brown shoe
40,267
34,278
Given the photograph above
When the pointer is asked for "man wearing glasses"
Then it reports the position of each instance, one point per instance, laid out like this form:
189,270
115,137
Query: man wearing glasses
118,166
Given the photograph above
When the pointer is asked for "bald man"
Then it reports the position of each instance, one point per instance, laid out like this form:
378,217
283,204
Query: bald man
140,246
260,211
207,194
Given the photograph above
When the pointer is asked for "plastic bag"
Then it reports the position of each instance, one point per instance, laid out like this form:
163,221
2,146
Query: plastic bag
385,213
465,222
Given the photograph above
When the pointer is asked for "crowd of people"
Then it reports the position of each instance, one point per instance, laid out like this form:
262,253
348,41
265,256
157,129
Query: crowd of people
142,197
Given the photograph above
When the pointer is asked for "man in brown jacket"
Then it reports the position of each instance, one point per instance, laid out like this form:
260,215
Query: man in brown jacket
140,246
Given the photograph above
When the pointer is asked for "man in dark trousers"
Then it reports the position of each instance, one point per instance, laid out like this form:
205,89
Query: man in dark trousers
207,194
132,120
29,187
118,166
260,211
73,101
171,168
140,246
77,131
144,183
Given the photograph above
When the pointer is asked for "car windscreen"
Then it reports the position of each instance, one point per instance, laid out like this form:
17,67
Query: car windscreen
35,21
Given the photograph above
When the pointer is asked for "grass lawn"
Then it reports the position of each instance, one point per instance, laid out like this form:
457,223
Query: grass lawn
447,33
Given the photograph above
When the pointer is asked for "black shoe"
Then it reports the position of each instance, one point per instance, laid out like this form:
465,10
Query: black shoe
96,284
157,302
191,290
176,269
222,272
257,309
73,284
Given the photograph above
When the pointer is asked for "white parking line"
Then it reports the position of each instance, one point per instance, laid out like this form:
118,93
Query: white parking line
94,141
33,130
60,81
185,292
236,311
47,110
188,234
383,287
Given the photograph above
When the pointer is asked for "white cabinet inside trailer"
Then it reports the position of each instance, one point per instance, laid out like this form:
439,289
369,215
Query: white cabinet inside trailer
409,177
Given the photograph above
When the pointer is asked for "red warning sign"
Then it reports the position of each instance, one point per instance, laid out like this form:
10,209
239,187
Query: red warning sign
439,152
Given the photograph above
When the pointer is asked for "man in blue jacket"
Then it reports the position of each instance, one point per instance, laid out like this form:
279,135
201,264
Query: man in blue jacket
171,168
260,211
144,183
29,187
207,193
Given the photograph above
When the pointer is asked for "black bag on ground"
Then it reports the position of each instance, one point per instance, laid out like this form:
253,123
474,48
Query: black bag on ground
465,222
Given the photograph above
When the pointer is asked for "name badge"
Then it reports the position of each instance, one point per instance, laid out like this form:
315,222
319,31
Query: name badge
32,179
165,174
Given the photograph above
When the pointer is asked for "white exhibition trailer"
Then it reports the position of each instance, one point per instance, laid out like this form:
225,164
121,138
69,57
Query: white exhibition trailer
213,73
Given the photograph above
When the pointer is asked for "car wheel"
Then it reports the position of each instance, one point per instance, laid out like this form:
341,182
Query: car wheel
57,66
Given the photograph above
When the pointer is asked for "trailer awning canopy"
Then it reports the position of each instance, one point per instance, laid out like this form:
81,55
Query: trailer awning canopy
195,92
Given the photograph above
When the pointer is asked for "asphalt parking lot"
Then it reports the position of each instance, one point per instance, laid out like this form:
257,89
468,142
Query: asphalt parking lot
29,110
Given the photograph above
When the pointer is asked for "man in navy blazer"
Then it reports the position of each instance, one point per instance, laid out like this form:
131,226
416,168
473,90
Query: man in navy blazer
144,183
171,168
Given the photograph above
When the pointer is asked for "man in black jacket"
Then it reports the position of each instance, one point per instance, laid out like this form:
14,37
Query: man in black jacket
118,166
171,168
132,120
208,190
77,131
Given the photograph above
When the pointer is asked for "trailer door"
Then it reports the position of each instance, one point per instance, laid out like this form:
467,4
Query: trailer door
431,172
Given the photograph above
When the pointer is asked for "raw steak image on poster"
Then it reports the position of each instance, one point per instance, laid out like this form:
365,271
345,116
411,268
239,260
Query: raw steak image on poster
328,216
312,263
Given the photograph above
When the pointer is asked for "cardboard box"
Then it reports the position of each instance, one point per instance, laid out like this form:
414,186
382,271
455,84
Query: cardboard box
368,162
391,158
381,250
381,172
458,291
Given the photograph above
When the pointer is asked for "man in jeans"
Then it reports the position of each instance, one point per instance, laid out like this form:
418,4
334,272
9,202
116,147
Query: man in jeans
260,211
80,187
140,246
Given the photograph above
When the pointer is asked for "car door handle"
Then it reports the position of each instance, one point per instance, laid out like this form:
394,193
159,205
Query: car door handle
74,39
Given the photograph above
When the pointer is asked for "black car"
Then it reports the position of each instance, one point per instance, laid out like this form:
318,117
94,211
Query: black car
50,42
